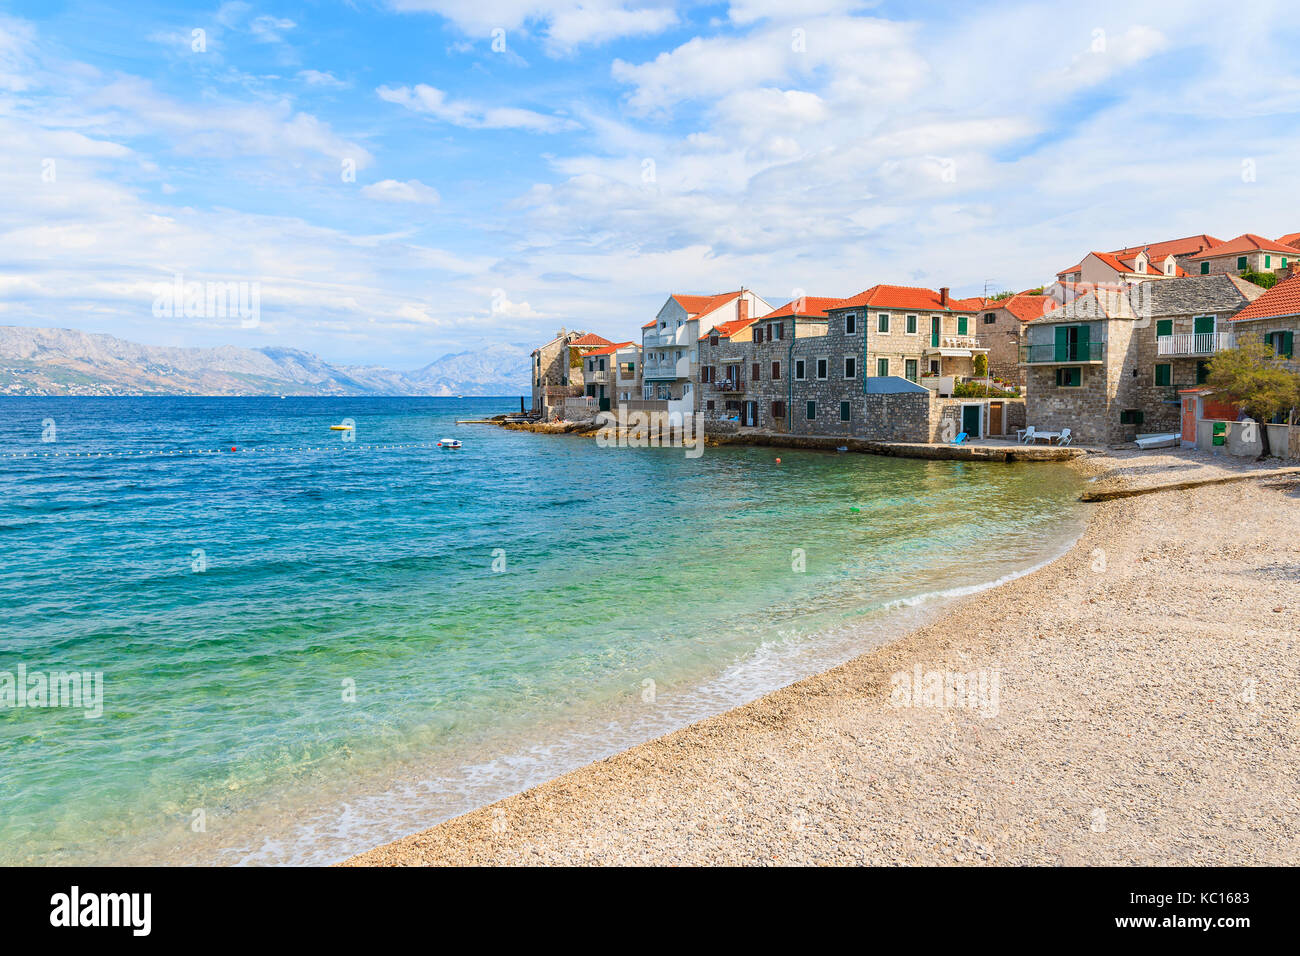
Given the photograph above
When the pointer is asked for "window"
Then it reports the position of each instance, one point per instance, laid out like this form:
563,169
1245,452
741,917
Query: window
1268,262
755,369
821,368
1284,262
799,370
1241,263
602,365
1164,327
709,405
706,373
1069,377
844,411
1131,416
990,318
850,323
776,371
911,325
1283,343
1164,374
780,330
1205,268
882,322
778,411
1169,270
850,367
882,366
713,340
1202,372
909,369
758,335
811,411
1071,343
962,325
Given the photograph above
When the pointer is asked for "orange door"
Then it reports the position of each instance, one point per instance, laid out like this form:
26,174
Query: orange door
1189,418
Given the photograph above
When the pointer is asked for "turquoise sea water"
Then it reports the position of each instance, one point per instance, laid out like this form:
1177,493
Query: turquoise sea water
502,613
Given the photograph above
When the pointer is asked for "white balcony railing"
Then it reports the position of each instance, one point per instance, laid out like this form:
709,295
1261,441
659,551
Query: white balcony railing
960,342
1195,343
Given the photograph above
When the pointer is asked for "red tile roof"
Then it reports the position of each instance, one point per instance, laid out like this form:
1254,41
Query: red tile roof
898,297
610,349
1282,299
704,304
1291,239
1170,247
1026,308
591,338
727,329
1157,251
810,306
1247,242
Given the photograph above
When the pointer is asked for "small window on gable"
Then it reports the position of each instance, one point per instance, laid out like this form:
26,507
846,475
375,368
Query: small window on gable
713,340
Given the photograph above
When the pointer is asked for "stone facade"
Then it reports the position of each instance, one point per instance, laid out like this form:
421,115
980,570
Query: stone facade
552,366
1143,343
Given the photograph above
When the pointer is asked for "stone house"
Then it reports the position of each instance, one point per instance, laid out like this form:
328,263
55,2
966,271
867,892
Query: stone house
1275,318
1000,329
1110,365
557,372
1246,253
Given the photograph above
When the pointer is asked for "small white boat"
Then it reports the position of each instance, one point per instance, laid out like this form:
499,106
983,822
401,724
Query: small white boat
1161,440
449,443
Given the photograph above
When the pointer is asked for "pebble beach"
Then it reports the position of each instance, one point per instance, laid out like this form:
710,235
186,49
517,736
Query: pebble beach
1136,701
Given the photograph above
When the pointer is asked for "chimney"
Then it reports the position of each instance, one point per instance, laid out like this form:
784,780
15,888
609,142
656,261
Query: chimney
943,296
744,308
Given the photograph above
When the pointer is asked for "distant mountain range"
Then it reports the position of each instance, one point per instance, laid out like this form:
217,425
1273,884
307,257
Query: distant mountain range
68,362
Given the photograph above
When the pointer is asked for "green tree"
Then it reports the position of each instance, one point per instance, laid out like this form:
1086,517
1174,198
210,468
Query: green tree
1256,381
981,365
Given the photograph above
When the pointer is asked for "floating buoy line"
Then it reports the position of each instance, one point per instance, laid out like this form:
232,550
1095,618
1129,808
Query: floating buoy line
340,447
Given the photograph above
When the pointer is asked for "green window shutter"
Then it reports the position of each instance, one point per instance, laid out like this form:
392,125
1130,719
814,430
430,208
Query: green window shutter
1062,345
1083,354
882,366
1163,374
1288,342
1205,268
961,325
1241,262
844,411
1203,324
1164,327
1268,262
812,410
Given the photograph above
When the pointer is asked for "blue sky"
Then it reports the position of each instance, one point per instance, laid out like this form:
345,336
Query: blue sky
602,154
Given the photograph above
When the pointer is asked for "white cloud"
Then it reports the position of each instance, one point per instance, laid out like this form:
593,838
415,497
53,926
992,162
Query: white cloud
565,24
391,190
432,101
322,79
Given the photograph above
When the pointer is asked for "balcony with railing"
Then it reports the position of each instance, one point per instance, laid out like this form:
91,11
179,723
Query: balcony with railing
668,368
728,385
1063,353
597,378
967,342
1195,343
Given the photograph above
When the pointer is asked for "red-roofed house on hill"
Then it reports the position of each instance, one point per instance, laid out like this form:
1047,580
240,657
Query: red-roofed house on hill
670,346
1246,253
1168,259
